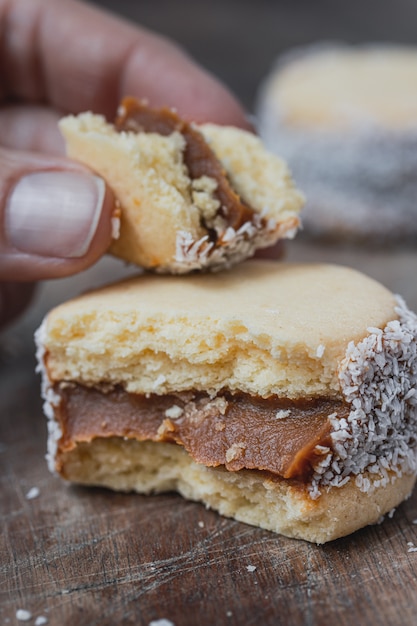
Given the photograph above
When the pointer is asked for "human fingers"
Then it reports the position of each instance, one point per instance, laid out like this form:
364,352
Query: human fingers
79,58
55,216
31,127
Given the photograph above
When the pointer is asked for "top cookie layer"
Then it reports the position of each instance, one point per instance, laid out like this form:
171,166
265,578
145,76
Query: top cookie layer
263,328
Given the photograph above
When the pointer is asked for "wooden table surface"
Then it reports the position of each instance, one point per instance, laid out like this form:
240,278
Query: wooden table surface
81,556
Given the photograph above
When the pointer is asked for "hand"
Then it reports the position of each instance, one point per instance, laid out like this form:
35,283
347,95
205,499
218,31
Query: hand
63,57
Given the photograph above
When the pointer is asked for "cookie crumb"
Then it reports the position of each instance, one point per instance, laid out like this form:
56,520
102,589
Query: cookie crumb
115,224
251,568
282,414
32,493
159,380
235,451
41,620
174,412
201,524
23,616
166,427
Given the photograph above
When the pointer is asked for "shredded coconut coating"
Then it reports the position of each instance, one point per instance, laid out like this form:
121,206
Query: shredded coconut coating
378,378
51,399
360,186
233,246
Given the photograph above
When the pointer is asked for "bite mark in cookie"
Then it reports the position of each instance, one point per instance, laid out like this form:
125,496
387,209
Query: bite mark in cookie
218,382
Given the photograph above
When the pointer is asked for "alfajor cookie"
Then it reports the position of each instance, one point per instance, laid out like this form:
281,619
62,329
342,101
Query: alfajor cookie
192,197
280,395
345,118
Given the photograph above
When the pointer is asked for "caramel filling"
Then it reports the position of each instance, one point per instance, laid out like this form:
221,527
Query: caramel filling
283,437
199,158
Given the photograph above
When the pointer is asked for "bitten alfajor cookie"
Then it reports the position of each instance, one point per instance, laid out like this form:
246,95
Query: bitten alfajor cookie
280,395
192,196
345,118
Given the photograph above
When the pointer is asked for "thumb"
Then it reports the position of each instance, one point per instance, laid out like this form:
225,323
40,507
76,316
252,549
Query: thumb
55,216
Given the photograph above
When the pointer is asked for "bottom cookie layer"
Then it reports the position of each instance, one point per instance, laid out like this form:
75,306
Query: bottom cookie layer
249,496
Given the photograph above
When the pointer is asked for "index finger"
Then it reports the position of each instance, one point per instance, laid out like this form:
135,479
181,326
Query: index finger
78,58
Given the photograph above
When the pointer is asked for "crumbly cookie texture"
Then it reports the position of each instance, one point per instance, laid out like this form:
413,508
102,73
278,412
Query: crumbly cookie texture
255,329
248,496
351,148
168,220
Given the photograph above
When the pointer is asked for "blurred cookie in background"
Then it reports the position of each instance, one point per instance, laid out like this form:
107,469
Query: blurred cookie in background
345,119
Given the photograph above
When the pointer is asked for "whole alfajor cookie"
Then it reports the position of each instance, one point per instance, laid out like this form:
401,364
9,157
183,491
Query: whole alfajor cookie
345,118
192,197
280,395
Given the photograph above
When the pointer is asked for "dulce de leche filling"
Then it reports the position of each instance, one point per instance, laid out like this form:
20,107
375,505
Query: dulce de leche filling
283,437
199,158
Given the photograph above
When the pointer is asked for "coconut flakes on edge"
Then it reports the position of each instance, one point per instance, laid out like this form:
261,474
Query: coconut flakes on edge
378,378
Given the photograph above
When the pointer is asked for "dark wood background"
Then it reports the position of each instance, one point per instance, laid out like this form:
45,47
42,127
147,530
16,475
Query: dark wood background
79,556
238,39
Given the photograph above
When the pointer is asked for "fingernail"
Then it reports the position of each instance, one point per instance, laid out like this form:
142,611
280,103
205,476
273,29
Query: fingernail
54,213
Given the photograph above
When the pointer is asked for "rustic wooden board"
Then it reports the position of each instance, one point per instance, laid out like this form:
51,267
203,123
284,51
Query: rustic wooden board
88,556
